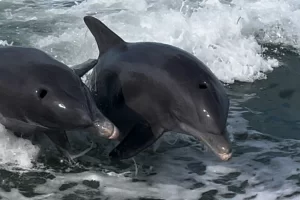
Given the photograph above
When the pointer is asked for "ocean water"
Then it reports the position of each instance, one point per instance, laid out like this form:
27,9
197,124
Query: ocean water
252,46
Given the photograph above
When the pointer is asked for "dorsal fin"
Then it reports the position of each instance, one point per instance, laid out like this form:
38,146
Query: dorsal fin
104,37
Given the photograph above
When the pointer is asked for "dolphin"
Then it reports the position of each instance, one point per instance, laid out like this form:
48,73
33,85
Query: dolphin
39,94
149,88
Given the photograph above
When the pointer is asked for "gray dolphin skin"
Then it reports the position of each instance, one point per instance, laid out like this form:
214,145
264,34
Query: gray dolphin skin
38,94
147,89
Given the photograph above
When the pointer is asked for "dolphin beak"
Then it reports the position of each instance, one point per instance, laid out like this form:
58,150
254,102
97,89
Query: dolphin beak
101,126
225,156
105,129
218,143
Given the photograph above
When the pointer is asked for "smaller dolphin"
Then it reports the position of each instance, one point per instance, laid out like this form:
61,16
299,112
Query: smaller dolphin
38,94
147,89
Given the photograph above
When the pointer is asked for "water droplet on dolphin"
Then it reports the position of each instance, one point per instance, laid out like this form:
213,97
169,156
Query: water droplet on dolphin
62,105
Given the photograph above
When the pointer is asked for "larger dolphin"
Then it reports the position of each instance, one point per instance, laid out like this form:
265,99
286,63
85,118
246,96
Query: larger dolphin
39,94
147,89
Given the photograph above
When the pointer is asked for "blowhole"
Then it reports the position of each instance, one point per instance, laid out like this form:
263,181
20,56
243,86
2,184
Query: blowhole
203,86
42,93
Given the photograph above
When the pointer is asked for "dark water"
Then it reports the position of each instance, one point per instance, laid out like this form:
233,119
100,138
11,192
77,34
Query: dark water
264,117
274,108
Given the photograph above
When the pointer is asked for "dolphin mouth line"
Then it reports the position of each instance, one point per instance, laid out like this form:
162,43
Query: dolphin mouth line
222,156
200,136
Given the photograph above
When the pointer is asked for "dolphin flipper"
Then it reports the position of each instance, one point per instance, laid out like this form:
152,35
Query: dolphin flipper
83,68
138,139
61,141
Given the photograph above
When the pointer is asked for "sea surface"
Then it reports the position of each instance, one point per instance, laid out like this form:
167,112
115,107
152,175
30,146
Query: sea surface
252,46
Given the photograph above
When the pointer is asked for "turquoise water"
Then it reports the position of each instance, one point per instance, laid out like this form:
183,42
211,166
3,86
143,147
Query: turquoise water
252,46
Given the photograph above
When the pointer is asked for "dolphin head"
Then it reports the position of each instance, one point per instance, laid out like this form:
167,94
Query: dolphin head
45,94
206,121
64,101
201,108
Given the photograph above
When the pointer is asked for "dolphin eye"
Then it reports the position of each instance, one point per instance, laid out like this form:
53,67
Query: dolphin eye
203,85
42,93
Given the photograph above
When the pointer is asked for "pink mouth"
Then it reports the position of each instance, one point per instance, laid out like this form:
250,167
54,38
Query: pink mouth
225,157
115,135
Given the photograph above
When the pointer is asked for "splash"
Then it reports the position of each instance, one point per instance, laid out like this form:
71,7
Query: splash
227,36
16,151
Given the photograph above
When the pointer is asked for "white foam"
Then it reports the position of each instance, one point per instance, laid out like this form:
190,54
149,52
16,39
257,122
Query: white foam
221,35
5,43
16,151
